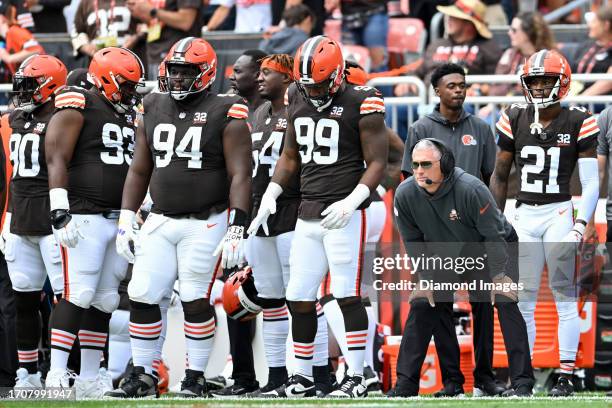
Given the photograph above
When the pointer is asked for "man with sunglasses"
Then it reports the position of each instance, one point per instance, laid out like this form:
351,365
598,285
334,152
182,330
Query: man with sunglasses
442,210
89,145
473,145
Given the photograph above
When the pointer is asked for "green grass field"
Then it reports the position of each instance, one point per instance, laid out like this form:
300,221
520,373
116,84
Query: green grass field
584,400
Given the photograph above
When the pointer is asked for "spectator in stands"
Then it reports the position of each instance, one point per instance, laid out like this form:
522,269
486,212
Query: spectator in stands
41,16
168,22
366,23
209,10
102,23
469,43
595,56
252,16
316,6
299,21
19,45
495,15
528,34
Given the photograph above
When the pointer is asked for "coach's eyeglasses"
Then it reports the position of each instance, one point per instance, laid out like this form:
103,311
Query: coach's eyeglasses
423,164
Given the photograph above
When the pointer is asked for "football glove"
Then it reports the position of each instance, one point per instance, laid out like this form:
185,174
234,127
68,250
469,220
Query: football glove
266,207
339,213
231,247
568,247
6,230
126,235
65,231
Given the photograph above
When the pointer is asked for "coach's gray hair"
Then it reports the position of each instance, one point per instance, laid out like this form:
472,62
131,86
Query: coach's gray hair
427,145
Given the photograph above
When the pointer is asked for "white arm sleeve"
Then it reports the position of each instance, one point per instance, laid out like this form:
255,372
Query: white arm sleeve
589,179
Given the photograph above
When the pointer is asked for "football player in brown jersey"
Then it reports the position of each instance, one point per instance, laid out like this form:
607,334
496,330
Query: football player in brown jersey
376,216
89,145
193,152
27,241
546,140
333,127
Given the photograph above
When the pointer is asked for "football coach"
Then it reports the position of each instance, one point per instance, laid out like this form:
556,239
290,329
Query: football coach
442,203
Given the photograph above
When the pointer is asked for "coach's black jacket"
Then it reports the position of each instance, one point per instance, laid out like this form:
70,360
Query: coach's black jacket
462,210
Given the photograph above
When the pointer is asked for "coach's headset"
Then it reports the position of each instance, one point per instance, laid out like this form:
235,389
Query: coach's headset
447,158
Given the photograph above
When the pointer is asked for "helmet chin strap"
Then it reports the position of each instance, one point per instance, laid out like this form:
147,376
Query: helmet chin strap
536,127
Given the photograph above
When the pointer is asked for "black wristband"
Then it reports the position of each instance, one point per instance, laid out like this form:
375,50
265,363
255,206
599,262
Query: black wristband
583,222
237,217
59,218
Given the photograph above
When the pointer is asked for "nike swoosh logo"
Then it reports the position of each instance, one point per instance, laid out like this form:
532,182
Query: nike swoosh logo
211,225
484,209
561,212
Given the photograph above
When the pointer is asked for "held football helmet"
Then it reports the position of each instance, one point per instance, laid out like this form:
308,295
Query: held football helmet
318,68
38,78
546,63
240,295
118,73
191,67
355,75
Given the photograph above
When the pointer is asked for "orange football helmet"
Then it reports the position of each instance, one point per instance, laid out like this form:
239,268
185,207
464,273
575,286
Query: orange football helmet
546,63
240,295
191,67
117,73
318,68
38,78
161,76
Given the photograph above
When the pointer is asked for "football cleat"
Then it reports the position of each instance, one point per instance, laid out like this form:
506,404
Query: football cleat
400,393
450,390
59,379
563,388
217,383
236,390
27,380
193,385
351,387
371,379
138,385
297,386
521,391
489,389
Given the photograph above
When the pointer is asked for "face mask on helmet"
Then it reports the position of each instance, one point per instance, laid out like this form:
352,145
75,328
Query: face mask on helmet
128,93
320,94
182,79
24,88
542,90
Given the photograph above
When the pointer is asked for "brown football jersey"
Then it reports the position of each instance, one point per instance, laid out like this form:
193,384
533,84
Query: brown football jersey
104,18
545,162
29,189
186,141
330,146
267,136
103,152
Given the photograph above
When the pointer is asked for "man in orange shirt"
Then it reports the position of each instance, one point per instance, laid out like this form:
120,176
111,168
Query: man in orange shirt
20,44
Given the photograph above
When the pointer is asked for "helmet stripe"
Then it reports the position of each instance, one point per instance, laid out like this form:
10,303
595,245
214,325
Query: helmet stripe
182,47
307,55
539,59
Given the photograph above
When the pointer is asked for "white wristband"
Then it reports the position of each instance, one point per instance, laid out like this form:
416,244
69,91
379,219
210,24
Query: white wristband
358,195
274,189
58,199
579,227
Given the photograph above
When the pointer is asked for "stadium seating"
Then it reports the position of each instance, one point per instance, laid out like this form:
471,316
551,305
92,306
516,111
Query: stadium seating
406,37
